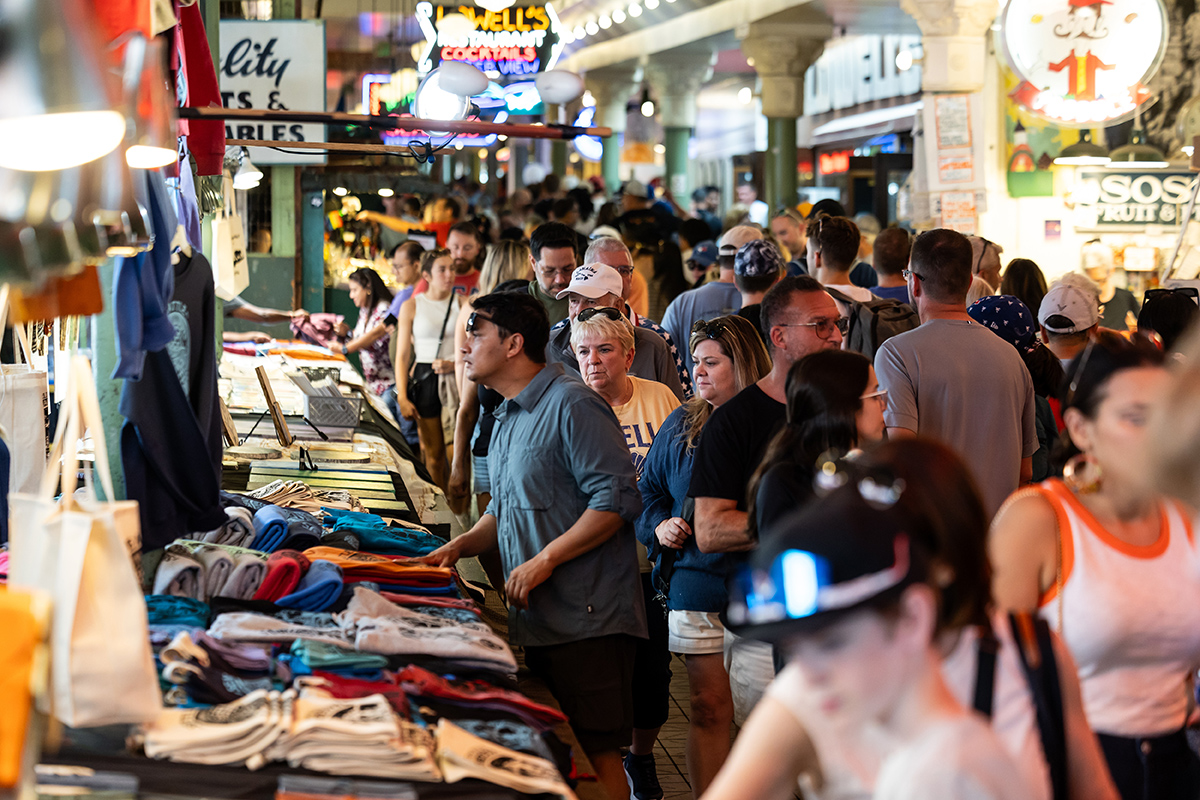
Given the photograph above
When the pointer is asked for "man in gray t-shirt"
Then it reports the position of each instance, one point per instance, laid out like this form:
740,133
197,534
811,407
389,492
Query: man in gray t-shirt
954,380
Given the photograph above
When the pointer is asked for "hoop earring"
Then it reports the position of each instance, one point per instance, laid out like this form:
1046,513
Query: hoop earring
1082,474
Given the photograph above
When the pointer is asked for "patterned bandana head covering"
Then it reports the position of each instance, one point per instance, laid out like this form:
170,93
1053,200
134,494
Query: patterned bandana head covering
1008,318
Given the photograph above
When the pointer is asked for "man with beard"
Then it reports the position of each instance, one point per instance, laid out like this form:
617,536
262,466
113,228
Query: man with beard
468,251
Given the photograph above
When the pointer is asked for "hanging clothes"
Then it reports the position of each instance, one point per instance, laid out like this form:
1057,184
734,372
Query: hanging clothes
196,85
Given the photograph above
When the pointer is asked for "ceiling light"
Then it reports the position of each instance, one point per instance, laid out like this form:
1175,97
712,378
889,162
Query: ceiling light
57,110
495,5
580,32
745,95
483,152
1084,153
147,106
651,4
458,146
660,148
248,176
1138,154
1187,150
635,10
618,16
341,191
574,158
502,138
647,104
592,28
568,35
386,192
605,21
904,60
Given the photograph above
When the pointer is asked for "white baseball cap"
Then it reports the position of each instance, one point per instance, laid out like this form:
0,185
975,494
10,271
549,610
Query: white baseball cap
593,281
1074,298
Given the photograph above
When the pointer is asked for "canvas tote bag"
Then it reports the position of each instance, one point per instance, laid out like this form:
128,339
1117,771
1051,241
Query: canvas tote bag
231,271
23,398
80,551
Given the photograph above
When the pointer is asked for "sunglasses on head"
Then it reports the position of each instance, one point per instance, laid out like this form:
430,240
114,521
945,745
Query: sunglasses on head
712,328
983,252
473,321
1186,291
604,311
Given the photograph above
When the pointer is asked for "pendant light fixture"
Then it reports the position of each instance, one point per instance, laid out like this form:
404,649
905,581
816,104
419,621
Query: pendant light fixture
247,176
647,106
150,122
56,108
1084,153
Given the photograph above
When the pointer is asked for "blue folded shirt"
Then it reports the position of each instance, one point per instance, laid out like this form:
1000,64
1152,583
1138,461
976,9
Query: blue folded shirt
270,529
320,587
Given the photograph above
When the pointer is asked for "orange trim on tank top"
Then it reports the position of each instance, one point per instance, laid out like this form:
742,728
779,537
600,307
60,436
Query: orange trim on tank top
1064,536
1152,550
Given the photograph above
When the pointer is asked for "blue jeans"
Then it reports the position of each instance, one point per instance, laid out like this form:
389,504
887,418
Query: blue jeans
408,427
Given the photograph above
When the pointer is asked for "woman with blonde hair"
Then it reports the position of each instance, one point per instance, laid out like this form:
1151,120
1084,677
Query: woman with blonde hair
729,356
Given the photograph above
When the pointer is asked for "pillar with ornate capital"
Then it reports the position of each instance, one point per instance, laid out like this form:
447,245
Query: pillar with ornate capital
676,78
781,57
612,87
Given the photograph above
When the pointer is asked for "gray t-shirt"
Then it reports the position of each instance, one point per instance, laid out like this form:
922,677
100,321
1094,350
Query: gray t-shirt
961,383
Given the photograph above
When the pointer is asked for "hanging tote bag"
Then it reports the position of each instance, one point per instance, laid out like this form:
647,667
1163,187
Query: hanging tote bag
80,550
23,398
231,272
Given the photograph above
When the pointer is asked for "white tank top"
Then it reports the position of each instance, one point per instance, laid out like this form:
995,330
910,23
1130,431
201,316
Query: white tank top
1130,616
427,328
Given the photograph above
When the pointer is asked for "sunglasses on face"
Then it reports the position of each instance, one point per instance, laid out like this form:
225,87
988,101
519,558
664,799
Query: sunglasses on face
604,311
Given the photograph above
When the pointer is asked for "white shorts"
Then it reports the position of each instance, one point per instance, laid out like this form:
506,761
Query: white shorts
695,633
751,667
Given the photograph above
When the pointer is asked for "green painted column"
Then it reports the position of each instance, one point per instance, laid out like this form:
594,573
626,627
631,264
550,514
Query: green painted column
676,141
312,250
283,211
610,162
781,148
108,389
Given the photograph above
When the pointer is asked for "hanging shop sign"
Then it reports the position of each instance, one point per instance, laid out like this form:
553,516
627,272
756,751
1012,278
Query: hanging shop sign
1116,200
517,41
860,69
276,65
1083,63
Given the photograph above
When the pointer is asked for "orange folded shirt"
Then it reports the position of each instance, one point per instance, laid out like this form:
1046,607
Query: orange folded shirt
357,566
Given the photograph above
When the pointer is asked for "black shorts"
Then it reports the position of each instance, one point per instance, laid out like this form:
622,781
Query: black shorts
423,392
592,680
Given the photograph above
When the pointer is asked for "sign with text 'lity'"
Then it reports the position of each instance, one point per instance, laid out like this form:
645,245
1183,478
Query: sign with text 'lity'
1084,63
278,65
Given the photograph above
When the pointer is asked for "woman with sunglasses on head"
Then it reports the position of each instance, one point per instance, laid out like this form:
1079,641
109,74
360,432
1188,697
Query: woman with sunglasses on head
834,404
729,357
603,341
1112,565
370,337
1167,314
825,730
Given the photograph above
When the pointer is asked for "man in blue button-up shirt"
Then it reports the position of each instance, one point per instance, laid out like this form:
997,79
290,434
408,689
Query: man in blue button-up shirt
564,496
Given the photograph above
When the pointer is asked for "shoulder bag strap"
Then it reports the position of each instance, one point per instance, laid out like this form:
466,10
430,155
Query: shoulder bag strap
445,321
1035,647
985,671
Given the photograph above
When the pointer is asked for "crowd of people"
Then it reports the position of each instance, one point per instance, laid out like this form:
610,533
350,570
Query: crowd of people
915,520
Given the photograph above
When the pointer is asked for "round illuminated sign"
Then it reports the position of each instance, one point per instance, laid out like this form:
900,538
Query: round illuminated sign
1084,63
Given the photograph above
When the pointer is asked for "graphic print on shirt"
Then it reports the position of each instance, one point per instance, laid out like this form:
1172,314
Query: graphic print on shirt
639,437
180,347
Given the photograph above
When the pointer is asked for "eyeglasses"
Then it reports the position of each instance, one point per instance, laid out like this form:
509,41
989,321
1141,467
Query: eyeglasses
982,252
908,273
604,311
823,328
624,269
881,395
474,319
712,328
1186,291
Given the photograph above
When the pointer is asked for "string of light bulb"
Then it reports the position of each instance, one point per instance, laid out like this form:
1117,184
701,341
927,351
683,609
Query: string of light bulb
606,20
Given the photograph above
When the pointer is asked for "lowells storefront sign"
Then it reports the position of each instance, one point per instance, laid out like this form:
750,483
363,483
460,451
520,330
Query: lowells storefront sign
522,40
1083,63
1115,200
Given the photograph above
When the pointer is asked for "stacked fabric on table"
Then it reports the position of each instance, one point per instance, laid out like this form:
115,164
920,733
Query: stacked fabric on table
201,669
361,736
303,529
248,626
471,695
395,573
202,571
378,626
299,495
461,754
373,535
309,657
238,531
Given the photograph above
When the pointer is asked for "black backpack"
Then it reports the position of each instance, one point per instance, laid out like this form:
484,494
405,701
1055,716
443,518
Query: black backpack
874,322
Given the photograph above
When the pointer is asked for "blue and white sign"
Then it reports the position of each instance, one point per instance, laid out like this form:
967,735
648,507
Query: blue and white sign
590,148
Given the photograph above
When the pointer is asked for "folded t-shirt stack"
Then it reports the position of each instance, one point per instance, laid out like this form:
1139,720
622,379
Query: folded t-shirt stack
308,657
378,626
243,732
203,571
424,685
299,495
360,736
304,529
374,535
270,529
463,755
246,626
319,589
285,568
237,531
164,609
412,577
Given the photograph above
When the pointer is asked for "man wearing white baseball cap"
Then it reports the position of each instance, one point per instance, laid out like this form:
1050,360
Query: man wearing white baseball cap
600,286
1069,313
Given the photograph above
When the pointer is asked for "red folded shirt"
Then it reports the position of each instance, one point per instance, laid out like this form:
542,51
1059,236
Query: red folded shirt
423,683
425,600
285,568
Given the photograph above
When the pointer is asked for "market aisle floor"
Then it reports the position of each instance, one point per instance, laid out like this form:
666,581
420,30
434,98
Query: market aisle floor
671,749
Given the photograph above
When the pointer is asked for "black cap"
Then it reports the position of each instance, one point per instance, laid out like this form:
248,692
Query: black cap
836,554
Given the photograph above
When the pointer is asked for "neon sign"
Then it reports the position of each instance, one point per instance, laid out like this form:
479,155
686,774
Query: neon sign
514,41
1084,63
834,163
404,138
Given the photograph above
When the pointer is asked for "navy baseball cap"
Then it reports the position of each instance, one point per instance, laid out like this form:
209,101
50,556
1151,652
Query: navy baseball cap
704,254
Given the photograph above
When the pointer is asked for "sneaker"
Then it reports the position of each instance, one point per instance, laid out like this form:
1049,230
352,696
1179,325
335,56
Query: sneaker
643,777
